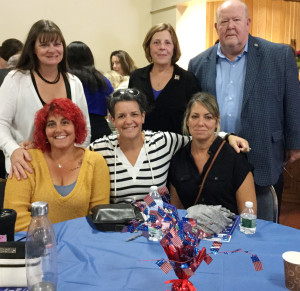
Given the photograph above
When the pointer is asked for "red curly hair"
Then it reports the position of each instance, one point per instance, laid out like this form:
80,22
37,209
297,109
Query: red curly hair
68,110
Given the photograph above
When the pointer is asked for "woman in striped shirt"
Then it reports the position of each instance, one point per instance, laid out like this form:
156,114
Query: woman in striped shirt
138,159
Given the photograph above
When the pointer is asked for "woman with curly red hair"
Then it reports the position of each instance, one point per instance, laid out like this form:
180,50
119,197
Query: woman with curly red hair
70,178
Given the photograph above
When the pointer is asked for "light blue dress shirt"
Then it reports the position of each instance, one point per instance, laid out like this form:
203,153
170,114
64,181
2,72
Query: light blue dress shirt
230,82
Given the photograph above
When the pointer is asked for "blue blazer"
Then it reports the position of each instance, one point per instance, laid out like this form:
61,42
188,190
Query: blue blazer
270,114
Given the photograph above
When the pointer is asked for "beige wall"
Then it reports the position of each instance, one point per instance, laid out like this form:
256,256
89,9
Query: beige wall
168,15
106,25
103,25
189,20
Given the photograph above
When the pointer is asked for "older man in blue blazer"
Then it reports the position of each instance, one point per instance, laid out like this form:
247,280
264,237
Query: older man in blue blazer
257,88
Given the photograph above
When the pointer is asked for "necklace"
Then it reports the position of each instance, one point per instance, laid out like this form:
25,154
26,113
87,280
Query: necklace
49,82
72,169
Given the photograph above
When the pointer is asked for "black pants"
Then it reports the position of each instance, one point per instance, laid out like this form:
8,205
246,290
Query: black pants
99,126
2,166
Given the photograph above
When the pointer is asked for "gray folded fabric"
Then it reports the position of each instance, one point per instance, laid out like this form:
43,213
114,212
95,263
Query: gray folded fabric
212,219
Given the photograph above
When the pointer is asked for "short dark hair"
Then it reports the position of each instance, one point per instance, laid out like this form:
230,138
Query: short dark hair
126,61
10,47
157,28
44,30
60,106
127,95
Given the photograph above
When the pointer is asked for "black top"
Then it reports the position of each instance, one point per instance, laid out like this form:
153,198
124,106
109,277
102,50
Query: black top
67,85
225,177
166,112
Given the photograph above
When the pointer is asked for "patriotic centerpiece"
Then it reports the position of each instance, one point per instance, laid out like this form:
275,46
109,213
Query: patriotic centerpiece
180,244
180,241
181,238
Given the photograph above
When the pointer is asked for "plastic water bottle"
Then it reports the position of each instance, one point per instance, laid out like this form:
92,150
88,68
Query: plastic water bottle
40,250
248,219
155,234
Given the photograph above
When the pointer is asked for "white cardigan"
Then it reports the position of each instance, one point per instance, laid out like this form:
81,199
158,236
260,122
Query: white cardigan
19,102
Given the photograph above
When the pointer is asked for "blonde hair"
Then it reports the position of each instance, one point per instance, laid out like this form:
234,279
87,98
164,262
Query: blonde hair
115,78
209,102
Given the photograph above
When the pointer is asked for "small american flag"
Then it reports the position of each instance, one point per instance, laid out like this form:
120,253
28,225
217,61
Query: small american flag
217,244
152,218
187,227
162,190
188,272
140,205
164,265
164,193
191,221
215,247
161,212
176,240
131,228
257,263
208,259
173,231
149,200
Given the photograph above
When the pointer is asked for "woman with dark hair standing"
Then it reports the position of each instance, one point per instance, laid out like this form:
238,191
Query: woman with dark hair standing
96,87
9,48
167,86
40,76
122,63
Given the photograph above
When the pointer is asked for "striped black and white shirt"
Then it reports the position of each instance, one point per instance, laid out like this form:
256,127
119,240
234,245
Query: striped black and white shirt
151,167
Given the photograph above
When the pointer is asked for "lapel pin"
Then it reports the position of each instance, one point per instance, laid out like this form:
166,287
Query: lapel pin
176,77
255,44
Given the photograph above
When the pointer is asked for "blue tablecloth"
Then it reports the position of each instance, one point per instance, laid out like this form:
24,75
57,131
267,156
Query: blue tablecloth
93,260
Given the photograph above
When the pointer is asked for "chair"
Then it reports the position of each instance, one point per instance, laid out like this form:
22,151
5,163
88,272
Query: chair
267,203
2,189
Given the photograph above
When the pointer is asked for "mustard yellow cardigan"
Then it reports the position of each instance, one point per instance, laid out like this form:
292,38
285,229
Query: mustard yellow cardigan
92,188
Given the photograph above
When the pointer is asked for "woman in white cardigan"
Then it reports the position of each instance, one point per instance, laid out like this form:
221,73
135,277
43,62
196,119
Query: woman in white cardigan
40,76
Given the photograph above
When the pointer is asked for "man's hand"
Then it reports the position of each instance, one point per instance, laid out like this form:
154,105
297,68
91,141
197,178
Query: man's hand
239,144
19,164
292,156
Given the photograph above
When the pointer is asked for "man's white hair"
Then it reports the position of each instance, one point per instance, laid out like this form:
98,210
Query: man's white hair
225,3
